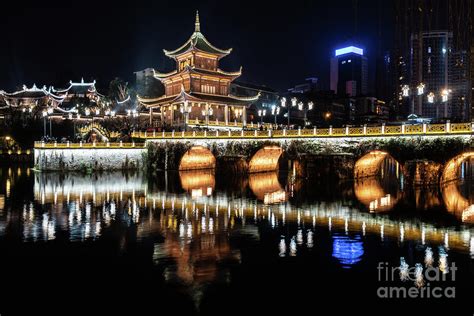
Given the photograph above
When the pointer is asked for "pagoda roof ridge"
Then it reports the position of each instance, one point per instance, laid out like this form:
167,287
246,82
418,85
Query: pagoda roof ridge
197,41
33,92
77,84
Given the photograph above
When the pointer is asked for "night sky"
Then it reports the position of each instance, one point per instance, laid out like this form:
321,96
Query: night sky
278,43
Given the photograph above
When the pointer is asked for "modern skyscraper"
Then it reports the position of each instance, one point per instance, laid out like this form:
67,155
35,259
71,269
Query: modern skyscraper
349,71
417,25
439,77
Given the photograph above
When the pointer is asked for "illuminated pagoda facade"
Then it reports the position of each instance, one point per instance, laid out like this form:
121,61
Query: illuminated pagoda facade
80,94
198,91
32,99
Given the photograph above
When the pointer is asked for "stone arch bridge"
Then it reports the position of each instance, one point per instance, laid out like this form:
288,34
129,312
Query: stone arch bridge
427,153
424,160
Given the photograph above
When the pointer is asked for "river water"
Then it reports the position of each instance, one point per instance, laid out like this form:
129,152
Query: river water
205,243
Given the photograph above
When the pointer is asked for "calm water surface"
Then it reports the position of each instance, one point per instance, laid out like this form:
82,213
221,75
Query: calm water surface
205,243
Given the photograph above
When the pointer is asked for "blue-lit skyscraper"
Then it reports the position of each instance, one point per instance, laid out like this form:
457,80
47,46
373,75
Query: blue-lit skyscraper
349,71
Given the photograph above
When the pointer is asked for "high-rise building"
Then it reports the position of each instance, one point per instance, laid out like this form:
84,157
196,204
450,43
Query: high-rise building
349,71
417,25
439,77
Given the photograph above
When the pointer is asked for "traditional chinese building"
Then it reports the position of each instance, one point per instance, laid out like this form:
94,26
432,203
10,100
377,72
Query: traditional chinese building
32,99
198,91
79,92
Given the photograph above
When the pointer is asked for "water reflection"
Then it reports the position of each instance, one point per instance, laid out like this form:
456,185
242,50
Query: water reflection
456,203
198,183
347,250
84,205
267,188
381,193
197,225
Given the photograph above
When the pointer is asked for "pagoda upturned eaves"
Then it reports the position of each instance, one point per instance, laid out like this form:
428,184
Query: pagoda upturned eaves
197,42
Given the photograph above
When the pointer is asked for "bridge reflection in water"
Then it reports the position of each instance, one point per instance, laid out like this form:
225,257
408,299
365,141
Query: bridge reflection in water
95,200
196,218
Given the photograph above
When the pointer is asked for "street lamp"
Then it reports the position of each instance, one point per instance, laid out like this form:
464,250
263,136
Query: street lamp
45,113
421,88
309,107
405,90
261,114
431,97
293,104
50,111
444,95
185,109
275,112
206,113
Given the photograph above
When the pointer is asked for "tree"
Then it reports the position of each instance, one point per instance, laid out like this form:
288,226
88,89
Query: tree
118,89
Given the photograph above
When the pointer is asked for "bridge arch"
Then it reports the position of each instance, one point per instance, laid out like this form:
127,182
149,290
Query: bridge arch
452,167
456,203
265,159
197,157
369,165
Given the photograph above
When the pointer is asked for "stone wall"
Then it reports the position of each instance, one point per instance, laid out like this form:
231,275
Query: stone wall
76,159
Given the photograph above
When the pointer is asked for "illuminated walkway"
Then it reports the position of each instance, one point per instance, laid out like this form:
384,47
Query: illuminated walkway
448,129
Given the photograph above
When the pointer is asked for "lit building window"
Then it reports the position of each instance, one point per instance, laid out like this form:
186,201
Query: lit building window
205,88
429,49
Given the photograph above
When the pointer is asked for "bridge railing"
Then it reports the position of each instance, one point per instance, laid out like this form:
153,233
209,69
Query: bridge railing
361,131
79,145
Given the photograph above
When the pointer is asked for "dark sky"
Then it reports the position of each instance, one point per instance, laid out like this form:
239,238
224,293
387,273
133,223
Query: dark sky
278,43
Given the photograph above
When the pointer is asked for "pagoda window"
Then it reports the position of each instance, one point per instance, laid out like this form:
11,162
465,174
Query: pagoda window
184,63
206,88
223,90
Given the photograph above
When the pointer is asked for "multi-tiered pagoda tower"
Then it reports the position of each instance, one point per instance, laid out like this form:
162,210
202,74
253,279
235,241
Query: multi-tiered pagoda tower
197,92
